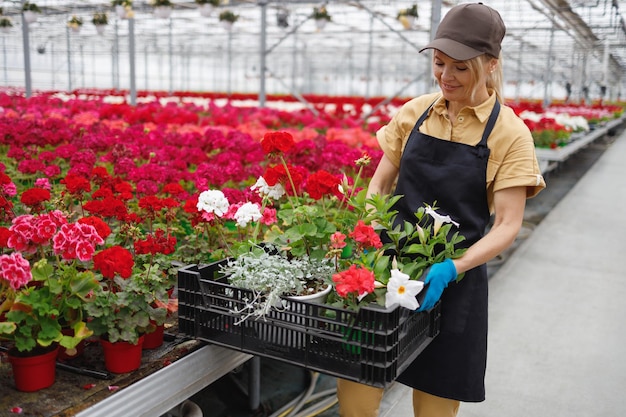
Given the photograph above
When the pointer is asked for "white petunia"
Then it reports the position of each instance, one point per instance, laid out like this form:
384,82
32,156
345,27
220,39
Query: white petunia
213,201
248,212
263,189
402,290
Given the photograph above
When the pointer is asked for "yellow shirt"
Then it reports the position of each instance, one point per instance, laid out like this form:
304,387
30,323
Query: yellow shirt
512,160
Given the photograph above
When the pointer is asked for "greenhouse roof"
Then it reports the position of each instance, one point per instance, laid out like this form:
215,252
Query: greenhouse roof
548,42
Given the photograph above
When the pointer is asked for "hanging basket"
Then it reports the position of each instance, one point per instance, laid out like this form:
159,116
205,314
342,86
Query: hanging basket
206,10
120,11
320,23
30,16
226,24
163,12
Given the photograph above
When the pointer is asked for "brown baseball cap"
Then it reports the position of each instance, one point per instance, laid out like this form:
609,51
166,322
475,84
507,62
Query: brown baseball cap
469,30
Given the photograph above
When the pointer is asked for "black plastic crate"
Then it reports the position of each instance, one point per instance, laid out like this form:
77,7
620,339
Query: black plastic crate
372,346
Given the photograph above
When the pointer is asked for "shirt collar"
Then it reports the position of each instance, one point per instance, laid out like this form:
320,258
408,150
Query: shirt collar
482,111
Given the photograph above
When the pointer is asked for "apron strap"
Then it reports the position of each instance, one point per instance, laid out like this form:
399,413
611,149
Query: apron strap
483,149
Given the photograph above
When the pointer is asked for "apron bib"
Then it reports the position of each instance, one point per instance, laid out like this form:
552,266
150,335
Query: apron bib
454,175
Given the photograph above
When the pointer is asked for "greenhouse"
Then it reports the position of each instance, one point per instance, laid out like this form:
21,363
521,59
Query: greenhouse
552,49
299,208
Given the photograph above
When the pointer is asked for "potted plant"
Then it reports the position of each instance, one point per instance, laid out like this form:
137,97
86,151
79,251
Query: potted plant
206,6
75,23
321,16
271,276
5,24
162,8
100,21
408,16
129,302
51,282
122,7
227,18
31,12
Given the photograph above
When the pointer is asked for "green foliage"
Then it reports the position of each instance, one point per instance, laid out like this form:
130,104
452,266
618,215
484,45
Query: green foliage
53,301
100,19
31,7
320,13
411,11
228,16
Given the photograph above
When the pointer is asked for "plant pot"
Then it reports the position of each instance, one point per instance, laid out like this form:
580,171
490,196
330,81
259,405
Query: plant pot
5,29
407,21
122,357
226,24
163,12
320,23
30,16
100,29
35,372
69,354
206,10
120,11
154,339
75,29
318,297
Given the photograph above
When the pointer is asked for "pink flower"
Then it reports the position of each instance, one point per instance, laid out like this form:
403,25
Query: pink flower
76,240
15,270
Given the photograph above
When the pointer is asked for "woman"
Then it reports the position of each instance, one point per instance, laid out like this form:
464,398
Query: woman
465,150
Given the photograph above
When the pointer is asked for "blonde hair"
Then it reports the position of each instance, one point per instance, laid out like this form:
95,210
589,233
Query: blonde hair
493,79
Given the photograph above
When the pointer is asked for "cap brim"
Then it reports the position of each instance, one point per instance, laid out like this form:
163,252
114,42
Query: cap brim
453,49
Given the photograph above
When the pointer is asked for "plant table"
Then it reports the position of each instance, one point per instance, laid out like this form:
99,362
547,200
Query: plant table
189,365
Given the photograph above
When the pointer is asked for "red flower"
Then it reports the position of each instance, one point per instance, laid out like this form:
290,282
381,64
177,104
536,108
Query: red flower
278,174
366,236
76,185
114,260
35,197
356,280
76,240
277,142
4,237
323,183
108,207
101,227
157,243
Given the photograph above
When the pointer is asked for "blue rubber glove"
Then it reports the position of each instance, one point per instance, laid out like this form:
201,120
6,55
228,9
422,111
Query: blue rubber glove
437,279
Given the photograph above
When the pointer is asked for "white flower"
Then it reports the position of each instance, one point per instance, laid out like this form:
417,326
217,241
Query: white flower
213,201
263,189
248,212
402,290
439,219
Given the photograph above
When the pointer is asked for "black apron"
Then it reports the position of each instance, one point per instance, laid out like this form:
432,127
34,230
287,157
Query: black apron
455,176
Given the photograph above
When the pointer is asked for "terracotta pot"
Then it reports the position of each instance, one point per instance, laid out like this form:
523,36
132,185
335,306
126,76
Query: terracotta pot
35,372
122,357
154,339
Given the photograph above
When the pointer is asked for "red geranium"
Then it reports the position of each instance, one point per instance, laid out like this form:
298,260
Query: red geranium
323,183
102,228
356,281
366,236
35,197
277,142
290,177
114,260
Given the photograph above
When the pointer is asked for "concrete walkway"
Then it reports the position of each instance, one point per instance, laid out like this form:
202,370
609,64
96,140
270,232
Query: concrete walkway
557,346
